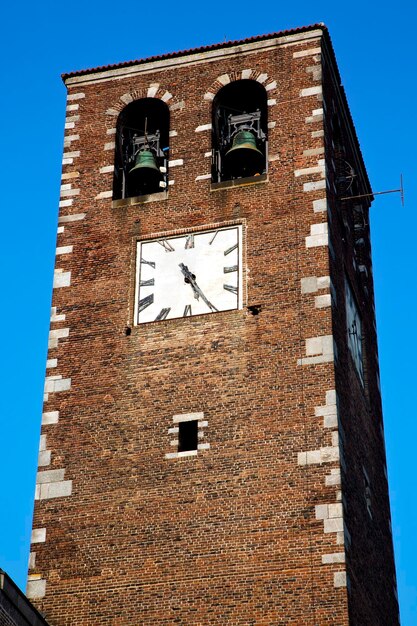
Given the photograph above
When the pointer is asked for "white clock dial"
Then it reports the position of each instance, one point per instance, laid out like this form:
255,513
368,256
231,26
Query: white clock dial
189,274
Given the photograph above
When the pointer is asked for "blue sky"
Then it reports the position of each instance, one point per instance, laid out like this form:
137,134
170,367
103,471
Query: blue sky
376,49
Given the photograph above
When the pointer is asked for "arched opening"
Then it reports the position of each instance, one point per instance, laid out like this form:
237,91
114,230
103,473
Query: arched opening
142,147
240,127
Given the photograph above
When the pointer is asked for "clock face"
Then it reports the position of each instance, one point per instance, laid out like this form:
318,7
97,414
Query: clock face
189,274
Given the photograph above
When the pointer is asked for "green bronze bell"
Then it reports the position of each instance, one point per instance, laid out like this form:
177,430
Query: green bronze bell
145,174
244,158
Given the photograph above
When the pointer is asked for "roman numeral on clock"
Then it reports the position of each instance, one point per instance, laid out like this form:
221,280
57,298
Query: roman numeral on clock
162,315
230,288
232,268
229,250
145,302
187,310
189,242
213,238
151,263
166,245
147,283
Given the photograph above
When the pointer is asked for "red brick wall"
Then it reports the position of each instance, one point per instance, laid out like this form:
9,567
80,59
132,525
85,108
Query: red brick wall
232,535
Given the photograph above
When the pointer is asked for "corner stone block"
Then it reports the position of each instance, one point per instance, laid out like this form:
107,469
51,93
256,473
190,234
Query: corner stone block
309,284
50,476
336,510
333,525
322,511
330,421
313,457
76,96
55,335
62,279
38,535
336,557
306,53
314,345
320,206
329,454
311,91
36,588
54,385
316,117
333,479
314,186
318,235
322,455
75,217
340,579
319,229
55,490
44,458
302,458
321,302
331,396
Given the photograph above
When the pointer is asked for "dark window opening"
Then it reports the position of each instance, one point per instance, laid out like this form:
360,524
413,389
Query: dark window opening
187,436
367,492
239,136
354,330
142,149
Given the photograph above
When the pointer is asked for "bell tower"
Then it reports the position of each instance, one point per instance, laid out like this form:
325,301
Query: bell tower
212,447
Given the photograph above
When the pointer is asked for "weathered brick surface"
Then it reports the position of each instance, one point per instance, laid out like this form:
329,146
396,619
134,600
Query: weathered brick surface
229,536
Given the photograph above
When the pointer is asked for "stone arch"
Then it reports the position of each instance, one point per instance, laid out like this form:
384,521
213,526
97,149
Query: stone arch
154,90
246,74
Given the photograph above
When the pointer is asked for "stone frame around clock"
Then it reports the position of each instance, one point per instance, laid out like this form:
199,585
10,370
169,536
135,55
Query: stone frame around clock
242,298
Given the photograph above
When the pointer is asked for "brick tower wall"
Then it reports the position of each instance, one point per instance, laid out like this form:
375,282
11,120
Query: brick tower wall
250,529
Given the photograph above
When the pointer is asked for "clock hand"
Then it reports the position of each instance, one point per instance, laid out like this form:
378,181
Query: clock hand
190,279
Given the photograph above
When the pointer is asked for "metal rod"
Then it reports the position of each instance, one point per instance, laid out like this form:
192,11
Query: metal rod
379,193
368,195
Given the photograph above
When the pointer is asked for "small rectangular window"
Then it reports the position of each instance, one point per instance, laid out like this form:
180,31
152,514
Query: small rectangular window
187,436
367,492
354,330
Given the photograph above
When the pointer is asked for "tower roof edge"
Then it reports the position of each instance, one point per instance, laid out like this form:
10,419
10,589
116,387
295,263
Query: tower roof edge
217,46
